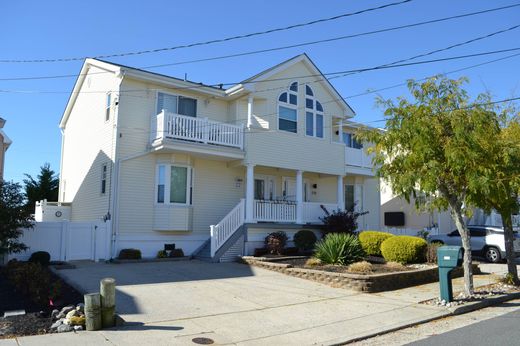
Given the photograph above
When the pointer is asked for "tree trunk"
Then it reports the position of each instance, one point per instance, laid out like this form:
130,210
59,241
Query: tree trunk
509,236
456,214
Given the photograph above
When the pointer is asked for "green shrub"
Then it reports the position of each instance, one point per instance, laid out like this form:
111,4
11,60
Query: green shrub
275,242
162,254
404,249
34,281
129,254
371,241
42,257
340,221
304,239
338,248
177,253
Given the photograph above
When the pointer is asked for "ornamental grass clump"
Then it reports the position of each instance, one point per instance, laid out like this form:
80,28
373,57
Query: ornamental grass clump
362,267
404,249
338,248
371,241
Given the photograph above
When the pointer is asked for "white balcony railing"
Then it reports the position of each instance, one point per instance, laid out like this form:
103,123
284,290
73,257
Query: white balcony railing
358,158
201,130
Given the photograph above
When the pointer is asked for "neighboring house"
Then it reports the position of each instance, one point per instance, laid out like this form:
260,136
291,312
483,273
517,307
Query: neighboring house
212,170
5,142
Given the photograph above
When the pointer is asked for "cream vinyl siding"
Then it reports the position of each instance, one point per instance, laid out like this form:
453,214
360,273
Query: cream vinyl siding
89,144
288,150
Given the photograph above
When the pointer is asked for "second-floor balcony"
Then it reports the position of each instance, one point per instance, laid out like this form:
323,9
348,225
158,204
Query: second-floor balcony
167,125
358,161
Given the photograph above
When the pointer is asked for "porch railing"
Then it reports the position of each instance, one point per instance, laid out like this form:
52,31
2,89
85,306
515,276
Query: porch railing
227,227
274,211
202,130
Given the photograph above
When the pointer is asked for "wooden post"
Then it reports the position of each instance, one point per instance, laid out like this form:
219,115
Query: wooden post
93,311
108,302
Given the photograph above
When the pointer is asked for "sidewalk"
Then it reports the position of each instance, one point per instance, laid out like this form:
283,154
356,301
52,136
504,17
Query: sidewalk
261,308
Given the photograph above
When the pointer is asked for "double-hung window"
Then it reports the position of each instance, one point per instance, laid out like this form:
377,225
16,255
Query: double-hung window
176,104
108,106
174,184
313,114
288,109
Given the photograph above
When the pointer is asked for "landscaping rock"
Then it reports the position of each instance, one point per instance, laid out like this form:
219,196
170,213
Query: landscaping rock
78,328
72,313
56,324
64,328
77,320
55,313
66,309
80,307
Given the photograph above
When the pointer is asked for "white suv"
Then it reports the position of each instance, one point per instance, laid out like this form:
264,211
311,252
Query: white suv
486,241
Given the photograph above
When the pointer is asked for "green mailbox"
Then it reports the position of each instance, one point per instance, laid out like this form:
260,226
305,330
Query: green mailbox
448,258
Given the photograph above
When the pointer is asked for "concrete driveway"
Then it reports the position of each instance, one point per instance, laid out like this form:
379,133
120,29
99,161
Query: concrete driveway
231,303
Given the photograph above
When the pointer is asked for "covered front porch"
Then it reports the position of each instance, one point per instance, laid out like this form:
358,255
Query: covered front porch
290,196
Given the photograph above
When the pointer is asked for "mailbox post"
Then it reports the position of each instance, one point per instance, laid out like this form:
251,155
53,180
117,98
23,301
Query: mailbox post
448,258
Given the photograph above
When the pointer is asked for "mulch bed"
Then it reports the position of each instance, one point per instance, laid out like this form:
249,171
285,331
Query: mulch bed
37,318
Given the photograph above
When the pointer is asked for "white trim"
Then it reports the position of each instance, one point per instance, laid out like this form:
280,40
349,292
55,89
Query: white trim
288,105
177,96
167,184
108,106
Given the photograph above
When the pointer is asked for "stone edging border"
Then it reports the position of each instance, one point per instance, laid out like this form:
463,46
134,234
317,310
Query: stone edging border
363,283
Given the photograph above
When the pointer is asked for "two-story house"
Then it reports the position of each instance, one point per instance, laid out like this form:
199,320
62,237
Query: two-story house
5,142
211,169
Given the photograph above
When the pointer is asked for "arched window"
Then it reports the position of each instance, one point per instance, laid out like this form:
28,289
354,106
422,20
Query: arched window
288,109
313,114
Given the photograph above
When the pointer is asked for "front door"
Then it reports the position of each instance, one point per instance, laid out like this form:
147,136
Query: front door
264,187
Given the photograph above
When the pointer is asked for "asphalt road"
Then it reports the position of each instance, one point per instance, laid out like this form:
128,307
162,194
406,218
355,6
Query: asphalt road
501,330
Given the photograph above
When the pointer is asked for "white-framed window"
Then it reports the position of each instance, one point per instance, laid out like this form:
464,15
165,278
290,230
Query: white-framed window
350,141
313,114
288,109
104,175
108,106
176,104
174,184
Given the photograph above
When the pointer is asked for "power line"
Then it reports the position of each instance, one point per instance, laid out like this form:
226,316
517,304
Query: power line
220,40
341,73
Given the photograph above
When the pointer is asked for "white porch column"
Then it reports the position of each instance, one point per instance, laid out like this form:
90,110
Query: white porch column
249,111
299,197
250,191
340,194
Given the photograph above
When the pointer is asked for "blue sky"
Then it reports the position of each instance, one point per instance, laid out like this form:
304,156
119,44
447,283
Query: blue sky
56,29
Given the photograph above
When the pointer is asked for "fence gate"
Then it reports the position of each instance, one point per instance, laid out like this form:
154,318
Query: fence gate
67,241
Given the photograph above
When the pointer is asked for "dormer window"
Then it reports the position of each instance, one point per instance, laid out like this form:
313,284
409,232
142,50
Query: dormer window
288,109
313,114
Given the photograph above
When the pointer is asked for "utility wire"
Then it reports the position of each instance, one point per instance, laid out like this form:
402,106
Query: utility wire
341,73
220,40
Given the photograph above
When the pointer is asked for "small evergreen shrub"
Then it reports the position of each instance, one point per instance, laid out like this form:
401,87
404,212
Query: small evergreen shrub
129,254
177,253
162,254
338,248
404,249
275,242
305,239
362,267
371,241
41,257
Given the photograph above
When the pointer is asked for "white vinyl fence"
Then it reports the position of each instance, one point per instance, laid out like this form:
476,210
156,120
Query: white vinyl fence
67,241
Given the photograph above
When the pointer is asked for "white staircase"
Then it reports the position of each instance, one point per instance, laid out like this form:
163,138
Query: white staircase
225,229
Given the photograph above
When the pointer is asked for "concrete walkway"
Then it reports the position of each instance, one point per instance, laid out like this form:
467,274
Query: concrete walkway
173,302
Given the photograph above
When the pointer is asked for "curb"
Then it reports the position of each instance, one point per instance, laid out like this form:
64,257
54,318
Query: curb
460,310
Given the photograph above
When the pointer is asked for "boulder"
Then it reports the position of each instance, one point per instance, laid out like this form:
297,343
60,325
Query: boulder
72,313
78,328
54,314
56,324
